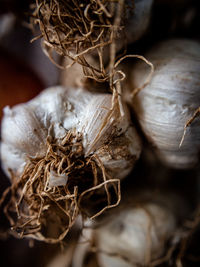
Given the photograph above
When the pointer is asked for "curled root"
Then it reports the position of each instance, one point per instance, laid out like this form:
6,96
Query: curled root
75,29
42,208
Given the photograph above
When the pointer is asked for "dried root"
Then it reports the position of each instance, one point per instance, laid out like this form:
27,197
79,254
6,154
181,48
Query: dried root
188,123
41,209
77,28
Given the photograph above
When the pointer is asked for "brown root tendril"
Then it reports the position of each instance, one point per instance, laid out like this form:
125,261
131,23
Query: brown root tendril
45,212
188,123
75,29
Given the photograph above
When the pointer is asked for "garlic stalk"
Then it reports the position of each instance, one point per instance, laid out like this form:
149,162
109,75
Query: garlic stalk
62,146
170,99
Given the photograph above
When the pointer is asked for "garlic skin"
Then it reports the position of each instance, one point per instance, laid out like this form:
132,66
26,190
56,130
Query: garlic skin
135,236
137,16
22,135
138,22
57,110
170,99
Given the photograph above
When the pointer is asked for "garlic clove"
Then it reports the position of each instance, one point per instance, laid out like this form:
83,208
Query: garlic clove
170,99
23,136
22,130
12,159
114,156
101,122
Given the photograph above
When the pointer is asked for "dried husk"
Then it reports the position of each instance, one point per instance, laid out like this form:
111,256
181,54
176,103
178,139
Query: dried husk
68,151
170,101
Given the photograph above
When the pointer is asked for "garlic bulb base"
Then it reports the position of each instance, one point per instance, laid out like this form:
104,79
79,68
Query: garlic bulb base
64,150
56,185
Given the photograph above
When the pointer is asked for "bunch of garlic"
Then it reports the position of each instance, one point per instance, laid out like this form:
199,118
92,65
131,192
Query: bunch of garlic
169,100
57,110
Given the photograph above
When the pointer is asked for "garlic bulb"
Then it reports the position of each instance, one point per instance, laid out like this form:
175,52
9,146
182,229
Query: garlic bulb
135,233
60,138
26,127
170,99
135,236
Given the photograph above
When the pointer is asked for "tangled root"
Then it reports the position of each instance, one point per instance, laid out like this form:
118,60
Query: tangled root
77,28
42,209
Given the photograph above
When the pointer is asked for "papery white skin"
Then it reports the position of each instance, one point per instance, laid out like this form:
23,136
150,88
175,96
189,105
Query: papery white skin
22,135
135,234
57,110
165,105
